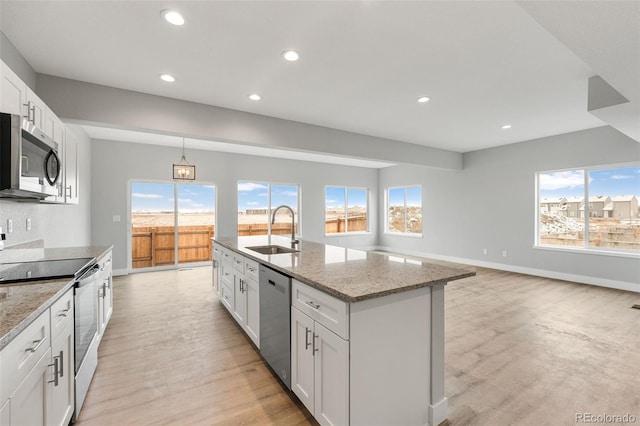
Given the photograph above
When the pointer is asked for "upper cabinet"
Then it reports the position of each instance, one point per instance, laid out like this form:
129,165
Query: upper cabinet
17,98
13,92
71,168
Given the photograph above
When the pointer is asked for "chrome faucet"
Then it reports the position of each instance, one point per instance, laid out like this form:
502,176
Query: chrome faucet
293,223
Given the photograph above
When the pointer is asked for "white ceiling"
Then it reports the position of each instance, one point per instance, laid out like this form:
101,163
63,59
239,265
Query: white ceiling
363,63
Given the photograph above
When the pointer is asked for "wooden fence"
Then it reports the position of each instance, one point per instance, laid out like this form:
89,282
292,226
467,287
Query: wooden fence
155,246
356,224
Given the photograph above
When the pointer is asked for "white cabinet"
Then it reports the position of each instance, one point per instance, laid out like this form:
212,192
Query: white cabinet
105,293
215,279
319,369
239,290
62,385
37,369
36,110
5,412
13,91
71,167
29,401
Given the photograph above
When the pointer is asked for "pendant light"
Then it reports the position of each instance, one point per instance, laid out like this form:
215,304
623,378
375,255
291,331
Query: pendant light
183,170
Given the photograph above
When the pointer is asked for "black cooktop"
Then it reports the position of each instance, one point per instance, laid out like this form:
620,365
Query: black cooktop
41,270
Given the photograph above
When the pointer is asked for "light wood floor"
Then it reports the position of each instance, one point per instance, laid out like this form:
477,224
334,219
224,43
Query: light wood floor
519,350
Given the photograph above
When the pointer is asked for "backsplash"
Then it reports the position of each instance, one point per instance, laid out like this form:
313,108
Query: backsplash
18,213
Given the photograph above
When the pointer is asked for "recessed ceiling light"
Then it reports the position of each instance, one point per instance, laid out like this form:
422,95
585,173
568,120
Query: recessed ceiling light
506,126
173,17
254,97
168,78
290,55
423,99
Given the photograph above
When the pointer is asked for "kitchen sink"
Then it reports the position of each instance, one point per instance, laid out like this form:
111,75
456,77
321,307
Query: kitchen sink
272,249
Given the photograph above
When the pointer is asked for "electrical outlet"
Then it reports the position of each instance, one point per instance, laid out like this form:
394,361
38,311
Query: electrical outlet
28,224
504,253
9,226
485,252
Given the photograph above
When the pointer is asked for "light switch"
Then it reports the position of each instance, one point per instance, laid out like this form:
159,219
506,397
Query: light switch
116,218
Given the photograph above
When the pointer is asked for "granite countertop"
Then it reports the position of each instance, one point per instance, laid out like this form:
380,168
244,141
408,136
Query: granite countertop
349,274
22,303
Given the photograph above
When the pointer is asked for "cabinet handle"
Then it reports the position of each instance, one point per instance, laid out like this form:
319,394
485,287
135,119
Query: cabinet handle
314,344
215,263
242,285
30,109
64,313
306,338
70,191
313,305
38,344
61,364
56,371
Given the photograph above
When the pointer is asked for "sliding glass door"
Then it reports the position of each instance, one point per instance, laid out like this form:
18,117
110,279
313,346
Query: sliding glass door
169,215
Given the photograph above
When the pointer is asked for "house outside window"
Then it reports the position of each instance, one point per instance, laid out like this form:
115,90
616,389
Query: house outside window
404,210
346,210
598,209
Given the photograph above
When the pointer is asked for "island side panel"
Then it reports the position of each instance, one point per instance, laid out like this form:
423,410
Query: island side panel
438,405
390,379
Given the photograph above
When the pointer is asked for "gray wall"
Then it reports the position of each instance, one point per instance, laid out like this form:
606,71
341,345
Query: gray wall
18,64
115,164
92,103
57,225
491,204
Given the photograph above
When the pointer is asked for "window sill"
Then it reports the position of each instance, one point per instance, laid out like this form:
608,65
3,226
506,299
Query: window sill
589,251
347,234
402,234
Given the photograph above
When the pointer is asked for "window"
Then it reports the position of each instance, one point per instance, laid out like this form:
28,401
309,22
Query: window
169,215
404,210
256,202
592,208
345,210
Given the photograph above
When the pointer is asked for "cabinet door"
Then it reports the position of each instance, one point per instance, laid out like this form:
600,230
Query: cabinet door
37,110
5,413
331,377
302,359
30,400
12,92
239,299
252,295
70,165
63,392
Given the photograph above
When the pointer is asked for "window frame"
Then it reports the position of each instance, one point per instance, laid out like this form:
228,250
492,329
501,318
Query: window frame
585,248
269,206
386,211
346,208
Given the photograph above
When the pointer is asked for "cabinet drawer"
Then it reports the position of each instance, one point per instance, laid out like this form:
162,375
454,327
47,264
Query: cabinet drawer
217,249
238,262
251,269
226,296
226,272
61,313
327,310
226,254
22,354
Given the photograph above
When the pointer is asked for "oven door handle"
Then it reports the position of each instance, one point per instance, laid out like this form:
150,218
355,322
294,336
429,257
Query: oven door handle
84,279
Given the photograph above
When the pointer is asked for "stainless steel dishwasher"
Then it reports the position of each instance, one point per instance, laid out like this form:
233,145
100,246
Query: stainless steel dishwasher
275,322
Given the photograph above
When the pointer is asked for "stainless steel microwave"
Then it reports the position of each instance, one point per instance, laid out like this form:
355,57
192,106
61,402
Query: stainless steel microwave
30,167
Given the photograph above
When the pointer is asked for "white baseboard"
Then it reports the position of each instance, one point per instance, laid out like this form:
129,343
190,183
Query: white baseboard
118,272
582,279
438,412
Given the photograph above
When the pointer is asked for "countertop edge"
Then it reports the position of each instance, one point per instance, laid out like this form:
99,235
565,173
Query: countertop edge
8,338
336,293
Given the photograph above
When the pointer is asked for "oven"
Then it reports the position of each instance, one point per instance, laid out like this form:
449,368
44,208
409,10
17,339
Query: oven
29,163
86,330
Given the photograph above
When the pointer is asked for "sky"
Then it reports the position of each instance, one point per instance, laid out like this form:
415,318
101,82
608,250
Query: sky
334,197
611,182
155,197
413,194
254,195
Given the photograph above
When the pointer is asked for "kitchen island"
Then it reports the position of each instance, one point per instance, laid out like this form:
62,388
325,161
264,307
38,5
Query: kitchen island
393,333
